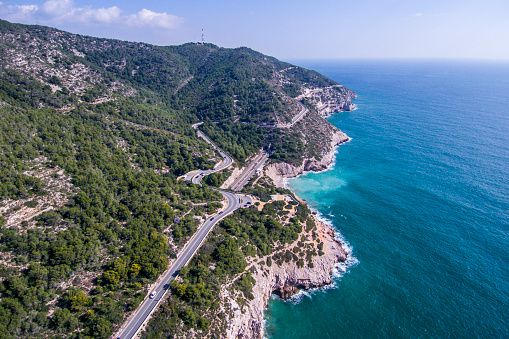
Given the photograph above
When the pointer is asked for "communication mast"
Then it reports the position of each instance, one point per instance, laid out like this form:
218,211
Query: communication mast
202,36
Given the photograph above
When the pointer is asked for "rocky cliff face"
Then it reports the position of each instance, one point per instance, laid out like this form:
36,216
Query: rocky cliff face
329,99
318,99
280,171
285,279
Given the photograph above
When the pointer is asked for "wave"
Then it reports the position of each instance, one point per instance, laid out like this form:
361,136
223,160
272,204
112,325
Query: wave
351,260
340,269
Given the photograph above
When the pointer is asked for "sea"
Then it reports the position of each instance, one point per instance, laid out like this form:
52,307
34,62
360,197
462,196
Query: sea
421,195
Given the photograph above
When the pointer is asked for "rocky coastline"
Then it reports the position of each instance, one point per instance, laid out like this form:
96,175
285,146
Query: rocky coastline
287,279
284,280
281,171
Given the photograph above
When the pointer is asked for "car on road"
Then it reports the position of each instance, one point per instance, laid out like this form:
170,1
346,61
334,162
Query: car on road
221,212
152,295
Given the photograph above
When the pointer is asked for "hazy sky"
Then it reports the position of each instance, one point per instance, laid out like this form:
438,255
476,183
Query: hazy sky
291,29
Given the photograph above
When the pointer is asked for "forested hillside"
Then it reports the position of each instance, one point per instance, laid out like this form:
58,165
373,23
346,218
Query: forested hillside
239,93
93,136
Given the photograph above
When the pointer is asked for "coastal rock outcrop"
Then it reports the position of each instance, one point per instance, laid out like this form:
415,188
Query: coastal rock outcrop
279,171
284,278
329,99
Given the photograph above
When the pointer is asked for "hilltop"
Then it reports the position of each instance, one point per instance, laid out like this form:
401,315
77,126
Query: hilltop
233,90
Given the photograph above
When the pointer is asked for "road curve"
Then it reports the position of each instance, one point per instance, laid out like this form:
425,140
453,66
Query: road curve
197,175
149,305
234,201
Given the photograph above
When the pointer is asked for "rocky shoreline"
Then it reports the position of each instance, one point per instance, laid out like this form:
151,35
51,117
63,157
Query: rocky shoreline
284,280
329,255
281,171
287,278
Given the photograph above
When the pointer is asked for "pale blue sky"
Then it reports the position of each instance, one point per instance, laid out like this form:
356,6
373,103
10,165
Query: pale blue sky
320,29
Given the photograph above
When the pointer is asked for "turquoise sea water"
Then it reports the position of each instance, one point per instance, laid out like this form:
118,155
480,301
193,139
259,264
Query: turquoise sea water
421,194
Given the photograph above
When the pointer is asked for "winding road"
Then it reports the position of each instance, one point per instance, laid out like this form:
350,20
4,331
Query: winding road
234,201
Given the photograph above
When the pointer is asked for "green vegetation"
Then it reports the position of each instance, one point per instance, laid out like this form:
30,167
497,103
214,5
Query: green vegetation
231,90
76,270
112,225
223,258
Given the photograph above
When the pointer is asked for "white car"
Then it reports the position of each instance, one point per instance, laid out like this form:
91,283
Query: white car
152,295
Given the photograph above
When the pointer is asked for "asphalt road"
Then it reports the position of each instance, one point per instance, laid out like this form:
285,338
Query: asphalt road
296,118
234,201
196,176
256,163
136,321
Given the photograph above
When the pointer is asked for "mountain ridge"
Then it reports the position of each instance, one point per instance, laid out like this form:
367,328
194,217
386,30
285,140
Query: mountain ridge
95,134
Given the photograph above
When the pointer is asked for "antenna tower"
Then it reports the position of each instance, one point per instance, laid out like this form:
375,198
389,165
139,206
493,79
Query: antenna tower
202,36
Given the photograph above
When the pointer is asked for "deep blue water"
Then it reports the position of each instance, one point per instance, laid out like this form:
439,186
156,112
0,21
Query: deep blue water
421,193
